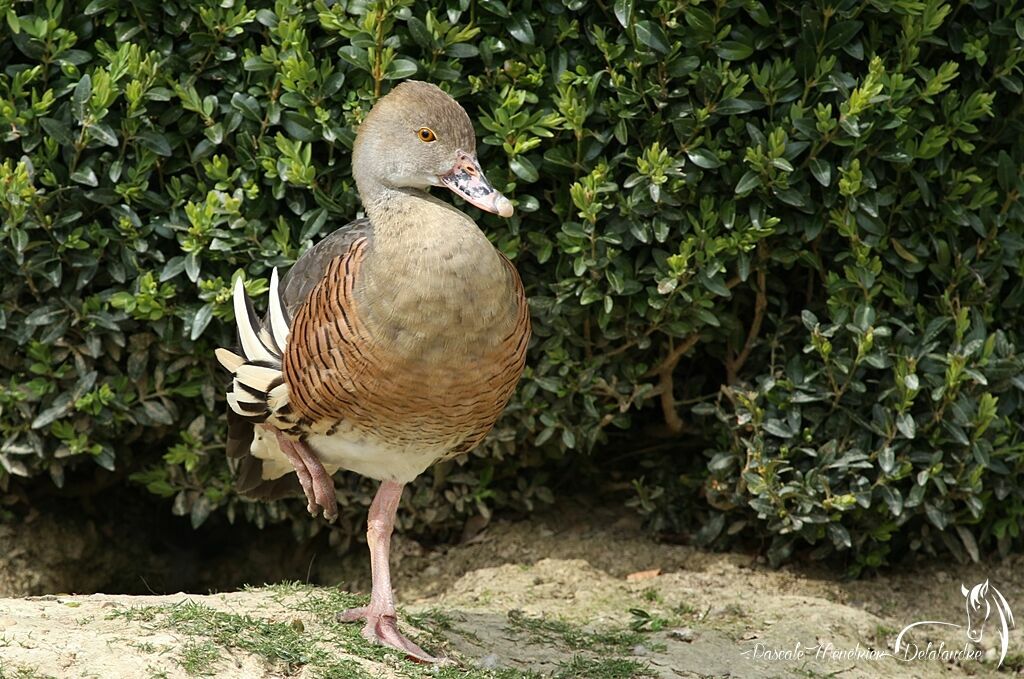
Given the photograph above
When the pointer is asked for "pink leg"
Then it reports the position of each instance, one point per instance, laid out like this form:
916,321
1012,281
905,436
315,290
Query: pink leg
305,480
323,484
380,616
316,483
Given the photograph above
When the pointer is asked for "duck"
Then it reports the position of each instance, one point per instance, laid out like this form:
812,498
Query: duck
392,344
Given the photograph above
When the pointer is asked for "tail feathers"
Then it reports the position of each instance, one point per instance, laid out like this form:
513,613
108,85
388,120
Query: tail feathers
248,469
258,391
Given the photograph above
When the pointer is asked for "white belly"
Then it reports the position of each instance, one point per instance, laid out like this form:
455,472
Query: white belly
352,451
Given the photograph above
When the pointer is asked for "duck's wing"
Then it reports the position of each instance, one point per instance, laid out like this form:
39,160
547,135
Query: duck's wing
311,266
294,290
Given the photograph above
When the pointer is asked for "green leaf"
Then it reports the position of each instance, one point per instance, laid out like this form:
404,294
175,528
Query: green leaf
418,31
970,544
591,295
906,425
155,142
842,32
704,158
790,197
44,315
864,316
247,106
840,536
524,169
887,459
821,171
267,18
174,266
199,322
731,50
900,250
103,133
192,266
1007,172
157,412
748,182
731,107
401,68
97,6
85,175
520,29
299,127
624,12
715,284
57,129
708,317
496,7
462,50
652,35
61,406
80,98
681,66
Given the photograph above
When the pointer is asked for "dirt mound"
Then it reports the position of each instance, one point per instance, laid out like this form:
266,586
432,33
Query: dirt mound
572,595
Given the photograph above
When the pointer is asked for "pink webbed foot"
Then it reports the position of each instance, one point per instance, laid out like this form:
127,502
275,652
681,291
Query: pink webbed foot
381,620
316,483
382,628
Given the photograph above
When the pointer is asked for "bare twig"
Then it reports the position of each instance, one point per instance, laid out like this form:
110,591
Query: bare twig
732,367
668,403
665,384
672,360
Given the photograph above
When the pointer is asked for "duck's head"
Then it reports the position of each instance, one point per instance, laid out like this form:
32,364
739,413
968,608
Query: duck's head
417,136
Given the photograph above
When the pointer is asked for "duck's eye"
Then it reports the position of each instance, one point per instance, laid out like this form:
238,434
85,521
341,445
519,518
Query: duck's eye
426,134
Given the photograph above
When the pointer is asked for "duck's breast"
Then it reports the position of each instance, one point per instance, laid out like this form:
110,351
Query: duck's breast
421,351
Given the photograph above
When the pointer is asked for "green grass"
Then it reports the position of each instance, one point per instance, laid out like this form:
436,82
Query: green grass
435,622
1013,663
883,631
199,657
650,594
558,632
145,647
685,610
23,672
325,648
280,644
603,668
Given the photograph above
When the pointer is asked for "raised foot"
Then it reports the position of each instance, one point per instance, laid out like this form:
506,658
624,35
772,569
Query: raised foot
316,483
382,628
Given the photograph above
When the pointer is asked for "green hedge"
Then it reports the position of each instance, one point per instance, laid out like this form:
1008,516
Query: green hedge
791,236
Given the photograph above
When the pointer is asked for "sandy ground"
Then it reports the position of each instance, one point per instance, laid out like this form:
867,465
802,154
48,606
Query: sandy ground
530,597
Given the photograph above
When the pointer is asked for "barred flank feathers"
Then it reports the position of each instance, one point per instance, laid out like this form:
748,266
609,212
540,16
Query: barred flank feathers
258,389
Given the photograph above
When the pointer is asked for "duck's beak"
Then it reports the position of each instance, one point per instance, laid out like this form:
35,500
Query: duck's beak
468,180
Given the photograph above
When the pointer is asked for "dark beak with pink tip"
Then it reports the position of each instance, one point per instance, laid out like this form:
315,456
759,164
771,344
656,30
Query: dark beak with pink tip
467,180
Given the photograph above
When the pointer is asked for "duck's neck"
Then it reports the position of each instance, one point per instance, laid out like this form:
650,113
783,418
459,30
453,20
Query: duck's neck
410,223
428,262
390,209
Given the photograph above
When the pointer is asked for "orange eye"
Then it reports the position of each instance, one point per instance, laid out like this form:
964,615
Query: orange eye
426,134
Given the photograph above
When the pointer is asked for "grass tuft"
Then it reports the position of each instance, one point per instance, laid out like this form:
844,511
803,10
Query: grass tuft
280,644
199,657
310,645
603,668
23,672
546,630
